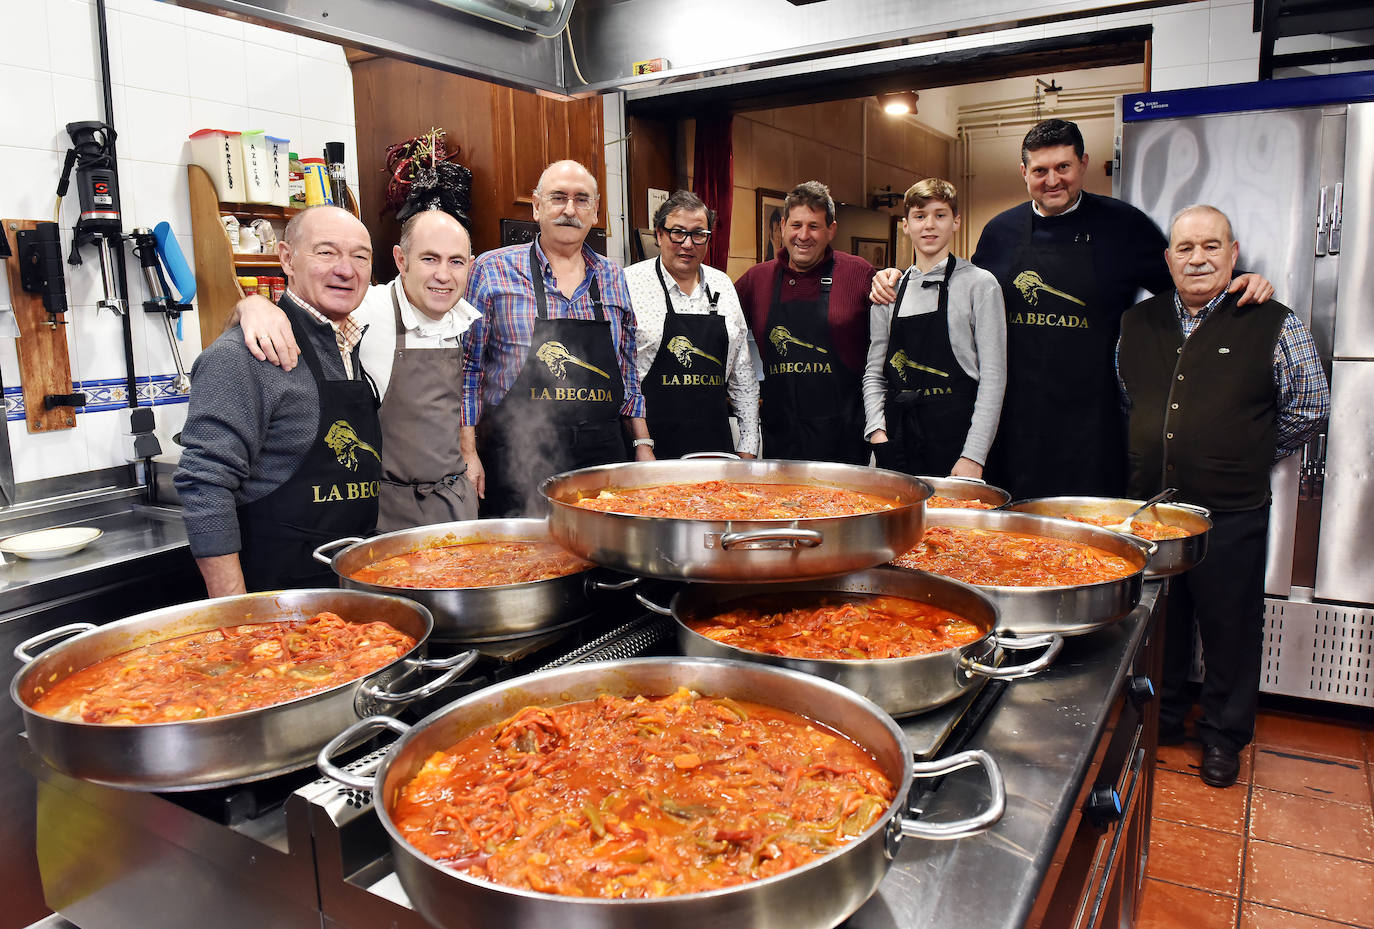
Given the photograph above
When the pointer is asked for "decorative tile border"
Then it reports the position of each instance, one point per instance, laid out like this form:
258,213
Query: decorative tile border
107,394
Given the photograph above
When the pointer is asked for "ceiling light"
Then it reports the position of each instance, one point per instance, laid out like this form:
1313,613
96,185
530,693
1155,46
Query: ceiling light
1051,93
899,103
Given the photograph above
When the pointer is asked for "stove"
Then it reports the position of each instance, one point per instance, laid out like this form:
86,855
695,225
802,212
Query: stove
298,851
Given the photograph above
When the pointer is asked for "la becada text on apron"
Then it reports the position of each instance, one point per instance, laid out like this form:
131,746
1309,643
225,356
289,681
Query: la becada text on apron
812,401
332,494
930,397
422,467
686,404
1062,430
562,412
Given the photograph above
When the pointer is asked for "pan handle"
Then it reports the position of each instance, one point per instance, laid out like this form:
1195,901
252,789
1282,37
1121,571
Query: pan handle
729,456
21,651
594,585
971,825
646,602
792,538
319,553
1053,645
452,667
351,736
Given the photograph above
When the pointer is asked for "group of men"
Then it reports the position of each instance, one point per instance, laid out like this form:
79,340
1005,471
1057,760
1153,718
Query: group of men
558,359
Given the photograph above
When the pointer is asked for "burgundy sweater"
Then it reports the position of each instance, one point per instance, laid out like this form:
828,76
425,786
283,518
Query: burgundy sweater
850,283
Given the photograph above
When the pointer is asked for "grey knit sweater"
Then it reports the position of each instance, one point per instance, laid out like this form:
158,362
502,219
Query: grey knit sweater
248,429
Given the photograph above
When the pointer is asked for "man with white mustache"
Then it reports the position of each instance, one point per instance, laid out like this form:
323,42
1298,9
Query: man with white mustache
411,352
549,381
1216,393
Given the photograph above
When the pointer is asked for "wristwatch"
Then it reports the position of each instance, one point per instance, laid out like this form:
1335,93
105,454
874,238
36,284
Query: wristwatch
638,442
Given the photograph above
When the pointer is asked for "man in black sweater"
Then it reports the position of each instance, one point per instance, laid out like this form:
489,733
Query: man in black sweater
1217,393
279,462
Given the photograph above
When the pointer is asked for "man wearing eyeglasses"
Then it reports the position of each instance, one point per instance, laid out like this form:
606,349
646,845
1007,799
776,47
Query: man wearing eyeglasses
692,351
549,380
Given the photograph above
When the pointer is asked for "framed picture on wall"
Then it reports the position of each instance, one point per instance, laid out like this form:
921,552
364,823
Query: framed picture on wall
876,252
903,254
646,243
769,212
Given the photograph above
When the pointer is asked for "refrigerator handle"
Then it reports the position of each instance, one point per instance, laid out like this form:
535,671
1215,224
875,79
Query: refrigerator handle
1333,243
1321,223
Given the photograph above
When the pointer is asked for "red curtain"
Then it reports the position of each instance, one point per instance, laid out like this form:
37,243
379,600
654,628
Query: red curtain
713,169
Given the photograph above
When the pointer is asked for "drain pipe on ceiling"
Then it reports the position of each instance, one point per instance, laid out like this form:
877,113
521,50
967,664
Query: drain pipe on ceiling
121,275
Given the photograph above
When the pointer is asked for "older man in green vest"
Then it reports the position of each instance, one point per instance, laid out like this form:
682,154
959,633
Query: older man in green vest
1216,394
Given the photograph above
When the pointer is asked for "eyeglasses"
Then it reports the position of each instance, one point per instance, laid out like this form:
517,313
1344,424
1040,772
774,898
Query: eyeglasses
679,235
559,200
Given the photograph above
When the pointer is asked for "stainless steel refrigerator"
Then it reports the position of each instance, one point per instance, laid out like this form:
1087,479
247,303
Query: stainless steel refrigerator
1291,162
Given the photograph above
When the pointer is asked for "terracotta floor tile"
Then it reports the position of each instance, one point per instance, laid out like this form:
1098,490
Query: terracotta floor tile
1172,906
1254,916
1312,776
1309,736
1187,758
1316,825
1183,798
1310,882
1196,857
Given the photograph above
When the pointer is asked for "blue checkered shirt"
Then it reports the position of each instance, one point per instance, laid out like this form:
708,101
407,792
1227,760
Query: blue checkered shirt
495,345
1302,395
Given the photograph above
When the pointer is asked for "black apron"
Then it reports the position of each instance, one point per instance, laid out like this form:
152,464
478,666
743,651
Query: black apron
1062,429
562,412
929,405
423,479
812,402
685,401
332,494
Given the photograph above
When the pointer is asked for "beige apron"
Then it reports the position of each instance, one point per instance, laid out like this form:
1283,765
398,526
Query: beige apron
423,480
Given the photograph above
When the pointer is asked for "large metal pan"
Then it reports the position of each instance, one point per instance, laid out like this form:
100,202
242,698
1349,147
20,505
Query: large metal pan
966,488
1066,610
822,893
736,550
475,614
902,686
1172,556
220,750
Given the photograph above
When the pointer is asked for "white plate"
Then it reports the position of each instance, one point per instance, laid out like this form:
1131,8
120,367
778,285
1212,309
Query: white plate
50,543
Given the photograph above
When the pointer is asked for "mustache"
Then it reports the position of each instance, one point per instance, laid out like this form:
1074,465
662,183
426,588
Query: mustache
568,221
1205,268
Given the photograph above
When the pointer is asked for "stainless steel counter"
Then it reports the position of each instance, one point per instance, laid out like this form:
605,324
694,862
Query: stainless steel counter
140,562
1044,733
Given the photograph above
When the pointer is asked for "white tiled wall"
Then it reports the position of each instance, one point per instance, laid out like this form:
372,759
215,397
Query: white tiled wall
174,71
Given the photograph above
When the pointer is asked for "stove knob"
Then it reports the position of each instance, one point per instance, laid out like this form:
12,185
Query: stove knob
1103,807
1140,690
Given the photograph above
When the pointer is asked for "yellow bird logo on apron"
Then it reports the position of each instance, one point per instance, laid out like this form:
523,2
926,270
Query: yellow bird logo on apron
782,337
682,349
557,357
901,362
346,445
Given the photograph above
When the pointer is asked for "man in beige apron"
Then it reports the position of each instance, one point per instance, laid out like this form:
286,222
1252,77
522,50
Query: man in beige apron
411,351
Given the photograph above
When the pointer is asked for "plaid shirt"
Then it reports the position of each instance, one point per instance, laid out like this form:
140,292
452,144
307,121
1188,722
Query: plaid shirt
496,344
1302,395
347,334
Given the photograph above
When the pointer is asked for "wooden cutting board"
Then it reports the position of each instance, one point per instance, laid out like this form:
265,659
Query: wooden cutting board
44,364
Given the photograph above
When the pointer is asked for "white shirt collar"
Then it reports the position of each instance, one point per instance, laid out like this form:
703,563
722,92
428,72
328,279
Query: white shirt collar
1036,207
672,281
452,325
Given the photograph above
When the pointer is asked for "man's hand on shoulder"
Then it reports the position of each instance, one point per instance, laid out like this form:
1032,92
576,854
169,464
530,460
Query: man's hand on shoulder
884,290
1256,289
266,331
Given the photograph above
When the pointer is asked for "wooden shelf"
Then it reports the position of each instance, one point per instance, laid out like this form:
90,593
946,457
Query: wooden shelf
255,261
258,210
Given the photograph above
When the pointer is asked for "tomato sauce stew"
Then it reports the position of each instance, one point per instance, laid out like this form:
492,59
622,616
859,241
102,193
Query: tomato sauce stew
473,564
641,797
222,671
1006,559
736,500
834,625
938,502
1149,529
